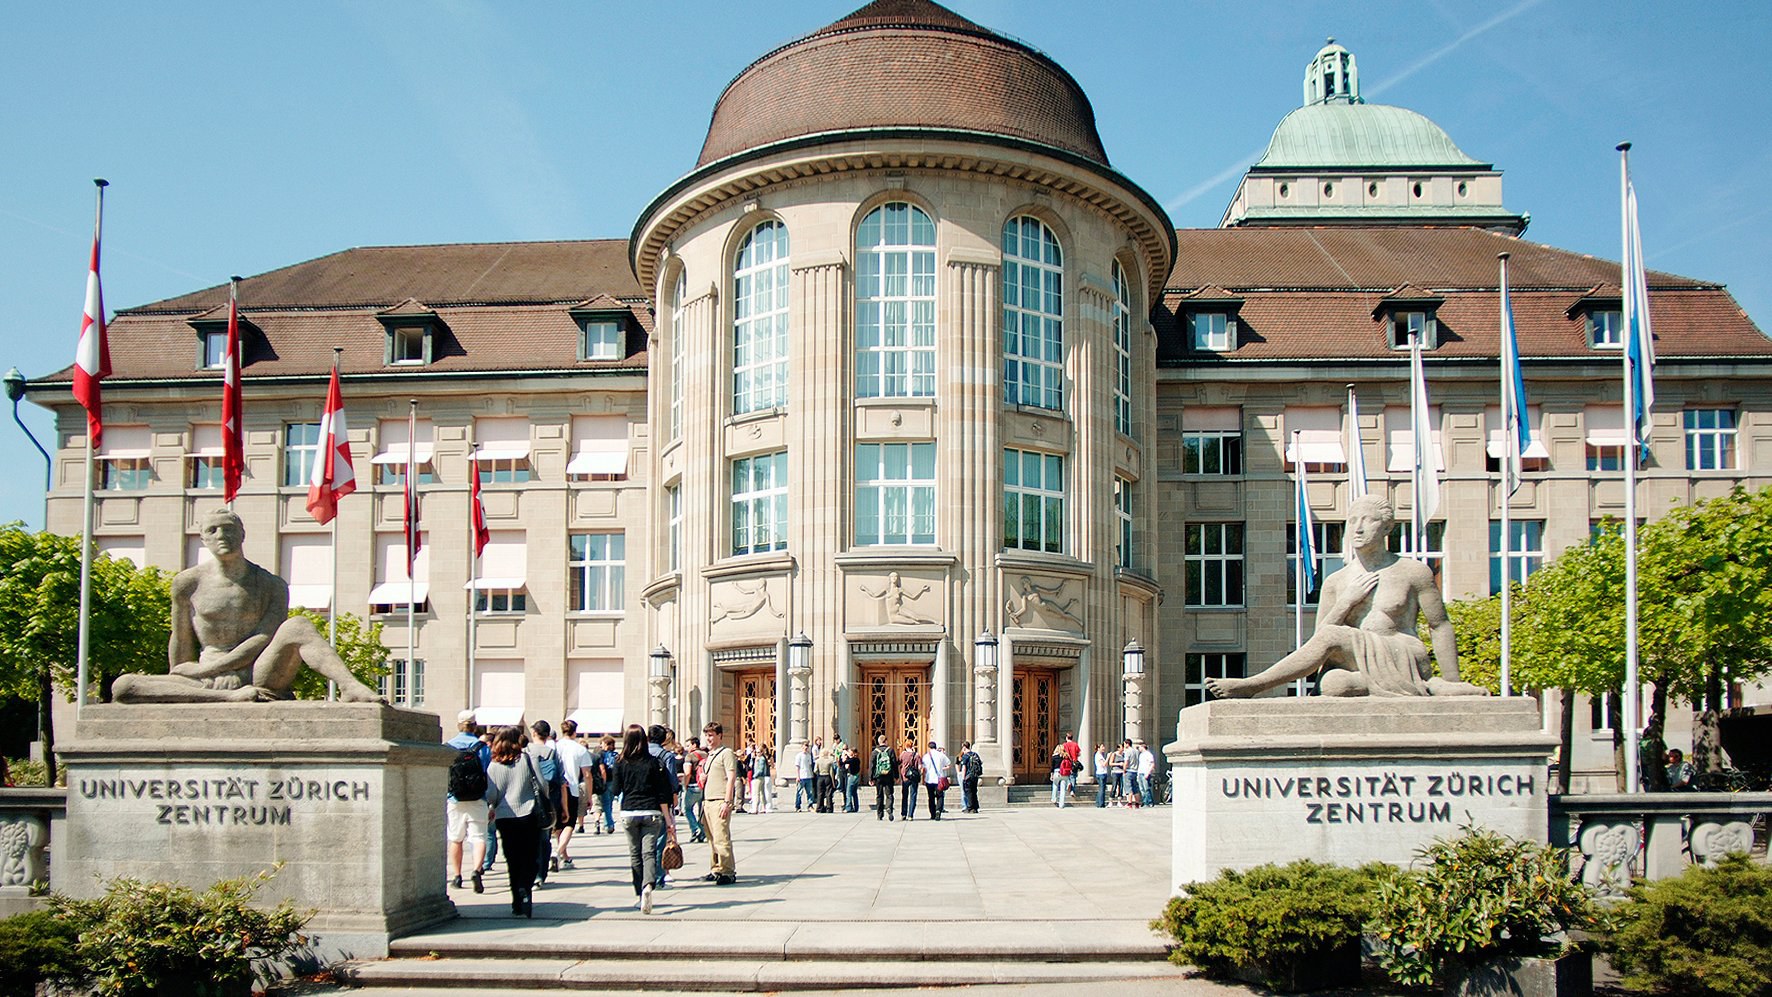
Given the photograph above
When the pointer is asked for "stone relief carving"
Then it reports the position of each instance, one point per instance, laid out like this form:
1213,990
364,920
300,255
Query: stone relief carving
746,603
1710,841
1608,850
22,840
894,598
1035,605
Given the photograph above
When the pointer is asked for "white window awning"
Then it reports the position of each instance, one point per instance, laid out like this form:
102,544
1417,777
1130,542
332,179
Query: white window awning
1317,446
496,583
1534,450
318,597
598,720
595,460
1605,427
396,593
396,454
499,716
131,453
502,450
1402,452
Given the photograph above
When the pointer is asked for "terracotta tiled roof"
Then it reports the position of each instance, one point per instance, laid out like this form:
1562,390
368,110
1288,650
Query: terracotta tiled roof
903,63
1316,294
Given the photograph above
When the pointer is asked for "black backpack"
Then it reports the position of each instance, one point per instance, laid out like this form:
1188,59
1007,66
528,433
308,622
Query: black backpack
467,780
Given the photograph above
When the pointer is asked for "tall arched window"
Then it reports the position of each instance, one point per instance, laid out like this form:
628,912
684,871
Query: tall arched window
1122,351
678,352
1033,314
895,303
760,320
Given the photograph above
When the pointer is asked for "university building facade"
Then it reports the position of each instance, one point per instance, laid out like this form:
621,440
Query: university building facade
905,413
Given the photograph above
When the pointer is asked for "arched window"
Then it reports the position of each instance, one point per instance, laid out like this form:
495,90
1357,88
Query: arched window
1122,351
760,320
1033,314
678,352
895,303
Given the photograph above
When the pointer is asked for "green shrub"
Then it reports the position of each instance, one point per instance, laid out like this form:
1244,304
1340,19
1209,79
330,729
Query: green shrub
34,947
1269,917
25,772
1479,895
161,938
1707,931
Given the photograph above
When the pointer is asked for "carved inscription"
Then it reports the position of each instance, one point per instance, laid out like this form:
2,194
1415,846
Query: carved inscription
226,801
1377,798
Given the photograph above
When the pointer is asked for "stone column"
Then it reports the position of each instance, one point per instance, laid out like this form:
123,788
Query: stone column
984,710
1134,706
799,695
660,710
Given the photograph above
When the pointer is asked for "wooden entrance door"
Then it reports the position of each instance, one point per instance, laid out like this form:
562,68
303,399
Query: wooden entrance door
1034,721
895,702
756,708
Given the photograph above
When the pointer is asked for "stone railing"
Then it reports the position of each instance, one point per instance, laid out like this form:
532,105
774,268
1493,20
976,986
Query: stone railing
26,817
1656,835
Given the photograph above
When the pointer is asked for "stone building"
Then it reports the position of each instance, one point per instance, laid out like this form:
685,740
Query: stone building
903,412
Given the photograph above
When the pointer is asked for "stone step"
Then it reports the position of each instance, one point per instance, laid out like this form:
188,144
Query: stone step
556,974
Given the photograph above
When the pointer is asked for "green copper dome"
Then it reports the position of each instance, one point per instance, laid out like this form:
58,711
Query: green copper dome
1352,136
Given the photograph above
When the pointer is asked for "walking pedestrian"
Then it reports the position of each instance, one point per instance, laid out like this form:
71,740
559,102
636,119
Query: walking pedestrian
465,804
883,767
575,768
1101,776
520,796
719,776
547,760
607,758
645,789
938,775
762,770
971,766
910,771
693,759
661,743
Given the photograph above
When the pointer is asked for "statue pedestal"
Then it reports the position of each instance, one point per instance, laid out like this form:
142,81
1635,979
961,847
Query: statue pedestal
1350,781
349,797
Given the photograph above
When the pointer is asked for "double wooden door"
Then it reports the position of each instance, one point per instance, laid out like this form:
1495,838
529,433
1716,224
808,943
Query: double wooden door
895,702
755,689
1033,721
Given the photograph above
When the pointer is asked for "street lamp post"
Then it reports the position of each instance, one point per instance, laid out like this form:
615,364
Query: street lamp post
1133,660
799,687
660,681
984,673
16,386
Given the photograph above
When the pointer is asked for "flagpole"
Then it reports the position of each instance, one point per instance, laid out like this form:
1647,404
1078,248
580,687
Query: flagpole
473,570
1508,449
1632,721
1356,466
1417,541
86,499
1298,552
411,535
332,603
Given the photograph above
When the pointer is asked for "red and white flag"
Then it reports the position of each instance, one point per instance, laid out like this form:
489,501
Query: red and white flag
333,477
92,358
476,510
233,449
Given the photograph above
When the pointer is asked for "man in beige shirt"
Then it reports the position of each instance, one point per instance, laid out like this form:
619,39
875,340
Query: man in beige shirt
719,778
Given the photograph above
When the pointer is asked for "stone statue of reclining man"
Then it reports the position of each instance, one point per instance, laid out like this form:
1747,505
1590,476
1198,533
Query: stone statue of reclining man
233,639
1365,642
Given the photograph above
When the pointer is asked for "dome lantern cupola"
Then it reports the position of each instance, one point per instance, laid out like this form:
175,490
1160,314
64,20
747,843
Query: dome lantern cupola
1332,77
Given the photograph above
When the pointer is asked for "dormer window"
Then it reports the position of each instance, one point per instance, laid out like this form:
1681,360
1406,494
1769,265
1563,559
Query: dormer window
411,329
601,339
409,345
212,347
1419,325
1213,332
1605,328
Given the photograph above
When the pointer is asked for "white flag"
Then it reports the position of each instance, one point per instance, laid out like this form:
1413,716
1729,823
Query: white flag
1356,451
1639,343
1427,483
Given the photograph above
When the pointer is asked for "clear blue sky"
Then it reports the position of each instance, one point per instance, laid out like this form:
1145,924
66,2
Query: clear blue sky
243,137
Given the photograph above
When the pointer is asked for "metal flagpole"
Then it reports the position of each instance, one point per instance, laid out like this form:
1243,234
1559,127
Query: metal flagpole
1632,707
86,498
473,570
1417,541
411,537
1508,445
1298,544
332,601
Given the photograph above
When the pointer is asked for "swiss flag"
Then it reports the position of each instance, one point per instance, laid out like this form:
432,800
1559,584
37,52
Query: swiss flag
333,476
477,510
233,449
92,358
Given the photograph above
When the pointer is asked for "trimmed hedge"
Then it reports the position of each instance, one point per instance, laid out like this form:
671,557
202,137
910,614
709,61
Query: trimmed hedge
1707,931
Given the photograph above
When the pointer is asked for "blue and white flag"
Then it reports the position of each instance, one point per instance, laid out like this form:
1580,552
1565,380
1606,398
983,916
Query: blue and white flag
1518,433
1307,552
1639,341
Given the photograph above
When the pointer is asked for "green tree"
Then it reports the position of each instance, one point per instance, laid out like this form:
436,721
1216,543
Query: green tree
40,619
361,649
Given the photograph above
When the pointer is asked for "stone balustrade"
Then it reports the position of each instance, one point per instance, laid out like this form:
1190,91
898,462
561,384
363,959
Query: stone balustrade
26,817
1656,835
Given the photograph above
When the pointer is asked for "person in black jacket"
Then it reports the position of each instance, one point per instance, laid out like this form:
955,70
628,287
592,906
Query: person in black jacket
645,790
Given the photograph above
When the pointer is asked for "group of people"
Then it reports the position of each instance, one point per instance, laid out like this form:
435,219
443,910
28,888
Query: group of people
1125,775
823,770
528,790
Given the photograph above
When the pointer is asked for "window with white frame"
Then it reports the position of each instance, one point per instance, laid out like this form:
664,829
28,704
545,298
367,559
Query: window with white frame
501,575
760,503
301,444
1605,328
895,303
204,459
404,683
1124,552
760,320
1213,561
596,570
1525,550
679,351
1710,439
1314,436
1402,541
394,590
1122,351
1417,324
599,448
214,344
1537,455
396,448
1033,501
674,517
1212,441
123,463
1212,331
1033,314
502,450
602,338
1200,667
894,494
1326,551
407,344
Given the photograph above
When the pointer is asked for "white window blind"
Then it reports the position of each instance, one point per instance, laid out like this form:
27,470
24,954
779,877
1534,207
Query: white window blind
599,445
1400,439
307,566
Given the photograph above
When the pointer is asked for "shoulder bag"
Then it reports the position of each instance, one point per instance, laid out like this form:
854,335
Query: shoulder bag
544,805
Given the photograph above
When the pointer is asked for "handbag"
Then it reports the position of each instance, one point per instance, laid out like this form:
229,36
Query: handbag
942,786
673,856
543,803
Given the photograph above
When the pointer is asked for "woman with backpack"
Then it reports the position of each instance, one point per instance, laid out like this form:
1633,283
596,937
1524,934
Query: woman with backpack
645,789
520,795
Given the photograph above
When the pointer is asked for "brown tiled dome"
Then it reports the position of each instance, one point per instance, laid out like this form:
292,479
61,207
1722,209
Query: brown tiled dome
903,64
